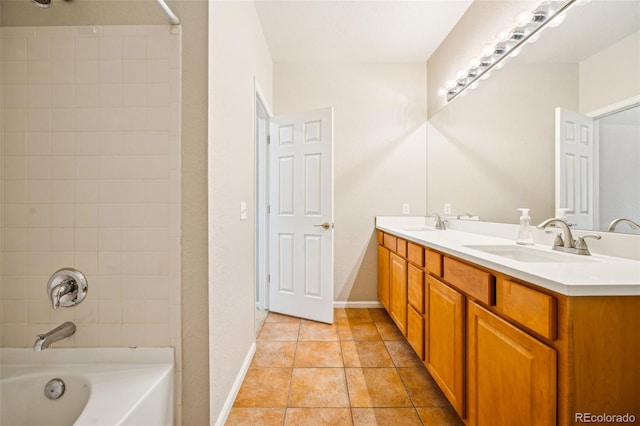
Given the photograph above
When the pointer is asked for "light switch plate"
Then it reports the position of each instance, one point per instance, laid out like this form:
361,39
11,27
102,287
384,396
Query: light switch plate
243,210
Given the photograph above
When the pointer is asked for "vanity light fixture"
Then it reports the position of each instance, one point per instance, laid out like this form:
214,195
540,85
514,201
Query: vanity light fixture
509,44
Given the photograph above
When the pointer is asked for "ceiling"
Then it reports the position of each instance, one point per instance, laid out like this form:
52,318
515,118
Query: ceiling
357,31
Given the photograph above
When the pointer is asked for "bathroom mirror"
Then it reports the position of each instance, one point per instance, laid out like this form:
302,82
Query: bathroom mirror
493,149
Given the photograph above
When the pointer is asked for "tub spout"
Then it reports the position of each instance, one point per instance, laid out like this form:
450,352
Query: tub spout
60,332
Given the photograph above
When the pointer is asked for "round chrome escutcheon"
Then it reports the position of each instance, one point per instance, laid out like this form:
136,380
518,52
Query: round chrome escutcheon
54,389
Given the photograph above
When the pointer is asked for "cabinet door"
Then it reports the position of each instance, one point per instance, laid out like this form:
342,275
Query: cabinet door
444,341
415,331
511,375
415,285
398,291
383,276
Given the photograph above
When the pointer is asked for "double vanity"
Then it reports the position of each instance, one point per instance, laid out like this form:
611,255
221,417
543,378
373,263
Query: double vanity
514,335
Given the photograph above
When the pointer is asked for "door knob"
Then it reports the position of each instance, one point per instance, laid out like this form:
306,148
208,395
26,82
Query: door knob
325,225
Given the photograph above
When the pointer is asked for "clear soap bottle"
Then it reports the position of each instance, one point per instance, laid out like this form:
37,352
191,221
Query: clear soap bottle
525,237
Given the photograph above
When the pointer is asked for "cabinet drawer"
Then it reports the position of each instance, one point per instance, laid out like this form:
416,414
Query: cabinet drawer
416,288
380,236
475,282
401,247
415,254
433,262
389,241
533,309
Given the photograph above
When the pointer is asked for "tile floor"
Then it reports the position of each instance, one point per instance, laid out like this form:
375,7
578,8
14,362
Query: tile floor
358,371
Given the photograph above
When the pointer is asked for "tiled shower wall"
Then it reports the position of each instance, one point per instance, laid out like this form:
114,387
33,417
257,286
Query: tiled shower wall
90,179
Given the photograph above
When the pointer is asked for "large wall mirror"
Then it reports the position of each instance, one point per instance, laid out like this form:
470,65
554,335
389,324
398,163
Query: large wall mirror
494,150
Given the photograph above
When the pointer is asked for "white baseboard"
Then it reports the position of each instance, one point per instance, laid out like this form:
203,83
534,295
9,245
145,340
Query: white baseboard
357,305
228,404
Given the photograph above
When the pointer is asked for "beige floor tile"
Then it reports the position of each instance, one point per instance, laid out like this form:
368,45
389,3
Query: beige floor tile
351,315
389,331
318,354
365,354
318,416
274,317
318,387
264,387
317,332
274,354
441,416
359,331
423,390
255,416
379,315
279,332
403,354
376,387
297,375
385,417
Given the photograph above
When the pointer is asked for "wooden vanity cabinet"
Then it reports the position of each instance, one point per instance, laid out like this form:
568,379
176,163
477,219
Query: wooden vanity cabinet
383,276
398,291
511,376
508,352
445,340
415,308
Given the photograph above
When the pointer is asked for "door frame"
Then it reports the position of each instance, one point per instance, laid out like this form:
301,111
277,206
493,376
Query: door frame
261,242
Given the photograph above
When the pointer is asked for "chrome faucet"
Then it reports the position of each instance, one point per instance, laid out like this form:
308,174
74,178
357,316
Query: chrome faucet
439,222
64,287
612,225
60,332
565,242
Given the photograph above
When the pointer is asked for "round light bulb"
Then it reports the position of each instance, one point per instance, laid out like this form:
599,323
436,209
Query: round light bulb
523,18
487,50
503,35
557,20
441,92
474,63
450,84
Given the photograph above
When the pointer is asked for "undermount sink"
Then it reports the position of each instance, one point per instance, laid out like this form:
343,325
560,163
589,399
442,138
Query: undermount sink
529,255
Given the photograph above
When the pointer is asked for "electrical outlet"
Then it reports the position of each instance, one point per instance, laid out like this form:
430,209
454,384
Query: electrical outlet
447,208
405,208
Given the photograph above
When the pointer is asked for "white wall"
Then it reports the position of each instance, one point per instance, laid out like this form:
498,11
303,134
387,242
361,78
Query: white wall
379,152
237,53
611,75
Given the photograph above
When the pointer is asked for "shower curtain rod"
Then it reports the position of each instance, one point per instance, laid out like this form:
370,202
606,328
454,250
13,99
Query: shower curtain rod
172,16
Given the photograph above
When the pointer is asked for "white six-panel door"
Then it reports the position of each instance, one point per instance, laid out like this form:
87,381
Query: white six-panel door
301,215
575,186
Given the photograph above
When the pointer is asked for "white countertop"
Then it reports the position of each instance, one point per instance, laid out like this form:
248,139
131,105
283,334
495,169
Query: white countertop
572,275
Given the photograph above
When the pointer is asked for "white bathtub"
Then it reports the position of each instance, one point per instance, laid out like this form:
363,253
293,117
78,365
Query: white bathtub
103,386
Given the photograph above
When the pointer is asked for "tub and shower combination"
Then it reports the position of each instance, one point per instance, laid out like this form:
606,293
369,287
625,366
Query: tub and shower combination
43,386
86,387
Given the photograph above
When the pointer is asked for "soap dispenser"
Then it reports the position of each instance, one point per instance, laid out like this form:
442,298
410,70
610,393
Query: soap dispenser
524,233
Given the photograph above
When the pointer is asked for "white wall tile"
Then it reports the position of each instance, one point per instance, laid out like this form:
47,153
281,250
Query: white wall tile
91,180
64,71
39,143
38,96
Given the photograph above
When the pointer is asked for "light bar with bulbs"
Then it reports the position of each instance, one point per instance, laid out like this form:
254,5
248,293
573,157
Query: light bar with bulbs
549,13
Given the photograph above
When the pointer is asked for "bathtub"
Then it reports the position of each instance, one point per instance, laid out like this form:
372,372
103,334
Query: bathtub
103,386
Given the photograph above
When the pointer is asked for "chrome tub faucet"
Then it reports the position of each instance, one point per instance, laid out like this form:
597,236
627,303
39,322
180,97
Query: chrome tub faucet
60,332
